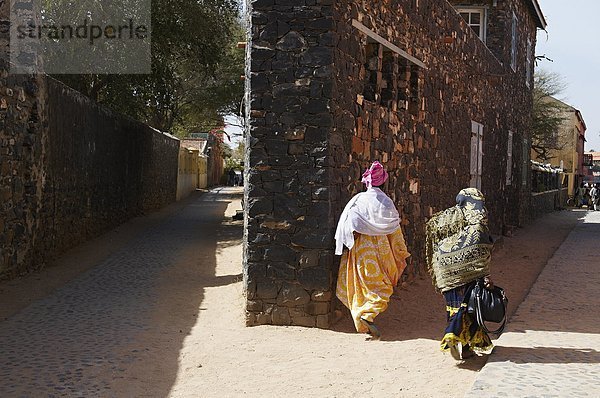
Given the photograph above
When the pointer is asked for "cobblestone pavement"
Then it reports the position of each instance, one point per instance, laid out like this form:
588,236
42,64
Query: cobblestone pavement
552,344
65,344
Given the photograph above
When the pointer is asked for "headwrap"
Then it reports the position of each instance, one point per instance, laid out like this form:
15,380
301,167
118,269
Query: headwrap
375,175
458,244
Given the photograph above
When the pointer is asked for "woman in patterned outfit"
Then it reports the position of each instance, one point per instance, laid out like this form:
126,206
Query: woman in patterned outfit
370,228
458,253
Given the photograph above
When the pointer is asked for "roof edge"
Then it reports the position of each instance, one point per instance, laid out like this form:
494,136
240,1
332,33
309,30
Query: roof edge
540,15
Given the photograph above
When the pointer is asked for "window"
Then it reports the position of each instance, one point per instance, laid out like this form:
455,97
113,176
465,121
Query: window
476,154
392,76
509,160
476,19
390,80
514,42
529,66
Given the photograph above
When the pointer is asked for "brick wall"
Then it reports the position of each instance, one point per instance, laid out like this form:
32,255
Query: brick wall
325,100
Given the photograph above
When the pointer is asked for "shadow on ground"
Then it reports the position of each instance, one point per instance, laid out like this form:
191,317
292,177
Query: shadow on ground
418,312
117,329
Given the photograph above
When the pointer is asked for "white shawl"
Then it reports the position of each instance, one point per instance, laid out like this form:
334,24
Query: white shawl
369,213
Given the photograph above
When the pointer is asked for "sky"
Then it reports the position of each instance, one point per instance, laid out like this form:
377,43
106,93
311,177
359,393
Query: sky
233,128
572,43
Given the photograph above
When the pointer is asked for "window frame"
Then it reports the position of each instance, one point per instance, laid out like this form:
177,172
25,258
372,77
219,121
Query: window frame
476,162
482,11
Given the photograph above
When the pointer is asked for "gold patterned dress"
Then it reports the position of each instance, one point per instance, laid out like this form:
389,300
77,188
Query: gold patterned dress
368,273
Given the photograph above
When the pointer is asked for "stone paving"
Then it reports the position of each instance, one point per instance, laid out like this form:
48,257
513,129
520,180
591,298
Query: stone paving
57,346
552,345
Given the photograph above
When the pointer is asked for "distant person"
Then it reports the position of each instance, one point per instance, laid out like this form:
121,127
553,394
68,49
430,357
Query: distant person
579,193
231,178
370,228
238,177
458,252
594,197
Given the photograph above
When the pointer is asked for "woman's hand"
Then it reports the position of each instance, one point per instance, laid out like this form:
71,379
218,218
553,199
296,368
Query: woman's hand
487,282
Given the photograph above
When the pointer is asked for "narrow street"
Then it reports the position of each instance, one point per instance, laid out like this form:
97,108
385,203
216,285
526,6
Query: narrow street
117,329
552,346
162,316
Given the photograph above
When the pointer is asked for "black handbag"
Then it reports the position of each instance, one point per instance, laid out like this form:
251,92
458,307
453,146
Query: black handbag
488,305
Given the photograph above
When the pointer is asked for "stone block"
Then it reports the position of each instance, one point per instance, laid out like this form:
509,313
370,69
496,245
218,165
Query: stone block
312,240
317,56
309,258
287,206
321,193
258,206
292,295
273,186
281,316
266,289
281,271
295,149
293,41
323,321
276,147
326,259
295,134
317,308
283,239
251,319
324,296
263,319
315,278
307,321
254,306
281,225
280,253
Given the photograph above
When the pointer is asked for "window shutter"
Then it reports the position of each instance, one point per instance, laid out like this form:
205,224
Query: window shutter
474,154
509,161
476,168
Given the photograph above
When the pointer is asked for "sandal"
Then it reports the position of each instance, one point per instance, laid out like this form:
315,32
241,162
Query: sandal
467,352
373,330
455,352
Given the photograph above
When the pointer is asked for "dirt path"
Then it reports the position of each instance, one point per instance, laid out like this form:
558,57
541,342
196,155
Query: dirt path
270,361
191,340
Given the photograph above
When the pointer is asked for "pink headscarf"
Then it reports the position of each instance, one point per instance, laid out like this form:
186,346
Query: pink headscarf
375,175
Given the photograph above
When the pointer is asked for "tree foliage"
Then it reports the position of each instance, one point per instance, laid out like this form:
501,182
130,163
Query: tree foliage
196,69
548,135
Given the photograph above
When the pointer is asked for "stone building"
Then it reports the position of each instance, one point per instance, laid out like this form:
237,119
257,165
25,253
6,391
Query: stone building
210,144
591,167
569,141
438,91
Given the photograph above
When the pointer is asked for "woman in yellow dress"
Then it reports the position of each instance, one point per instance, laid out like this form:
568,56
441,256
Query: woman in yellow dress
376,257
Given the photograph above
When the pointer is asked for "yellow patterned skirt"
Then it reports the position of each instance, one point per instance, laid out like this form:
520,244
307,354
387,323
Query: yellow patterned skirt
368,273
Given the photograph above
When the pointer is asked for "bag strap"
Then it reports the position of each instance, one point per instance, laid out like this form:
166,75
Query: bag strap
500,329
